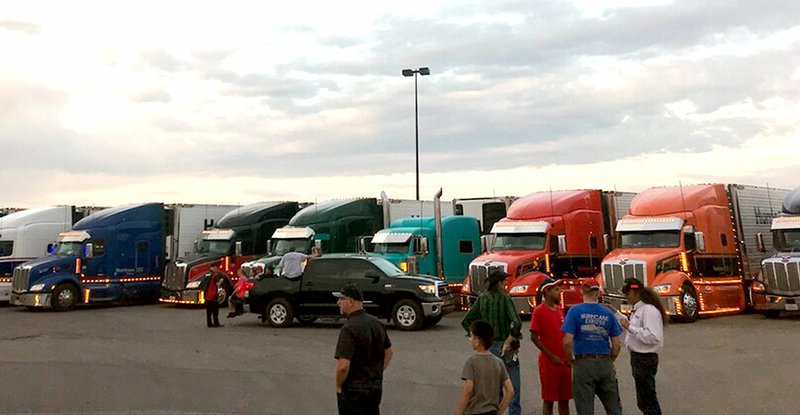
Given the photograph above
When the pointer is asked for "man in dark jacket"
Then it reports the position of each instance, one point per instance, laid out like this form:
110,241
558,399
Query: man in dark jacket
213,279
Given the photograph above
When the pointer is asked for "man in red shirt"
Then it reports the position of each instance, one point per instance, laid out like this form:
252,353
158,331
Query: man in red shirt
214,278
554,371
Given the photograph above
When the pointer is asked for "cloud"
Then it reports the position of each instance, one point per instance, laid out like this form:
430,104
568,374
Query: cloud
18,26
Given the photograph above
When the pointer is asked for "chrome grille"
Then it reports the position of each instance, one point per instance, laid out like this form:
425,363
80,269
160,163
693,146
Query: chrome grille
174,276
442,289
782,276
615,273
479,277
19,281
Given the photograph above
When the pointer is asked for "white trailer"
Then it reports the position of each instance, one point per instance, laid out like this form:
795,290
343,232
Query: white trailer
189,222
488,210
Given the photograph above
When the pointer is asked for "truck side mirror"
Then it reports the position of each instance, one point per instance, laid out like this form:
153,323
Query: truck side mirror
361,244
88,250
51,249
700,241
562,244
238,248
372,274
269,247
423,246
486,242
318,245
196,245
760,242
607,242
413,265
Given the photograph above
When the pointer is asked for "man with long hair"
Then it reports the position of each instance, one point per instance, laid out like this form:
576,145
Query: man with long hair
496,308
645,340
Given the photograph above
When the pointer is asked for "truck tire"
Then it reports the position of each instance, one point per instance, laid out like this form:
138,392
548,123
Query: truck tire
64,298
223,292
407,315
689,305
279,313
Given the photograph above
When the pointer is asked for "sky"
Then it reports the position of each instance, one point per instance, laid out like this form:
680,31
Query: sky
107,103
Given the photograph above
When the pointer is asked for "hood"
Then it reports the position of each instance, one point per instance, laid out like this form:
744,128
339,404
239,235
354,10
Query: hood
420,278
272,260
42,267
392,257
512,258
196,259
647,255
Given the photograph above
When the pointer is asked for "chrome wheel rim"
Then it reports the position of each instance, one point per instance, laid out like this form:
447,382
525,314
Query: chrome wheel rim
222,294
277,314
689,304
66,298
406,315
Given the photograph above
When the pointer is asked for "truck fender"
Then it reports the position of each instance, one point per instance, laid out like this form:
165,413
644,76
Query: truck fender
675,278
532,279
57,279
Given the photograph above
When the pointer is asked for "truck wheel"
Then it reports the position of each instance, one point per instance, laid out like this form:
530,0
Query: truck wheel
65,297
772,314
689,304
407,315
279,313
223,294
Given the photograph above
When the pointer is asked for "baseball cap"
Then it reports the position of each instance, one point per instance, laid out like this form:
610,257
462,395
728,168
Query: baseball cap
631,284
350,291
496,275
547,284
591,284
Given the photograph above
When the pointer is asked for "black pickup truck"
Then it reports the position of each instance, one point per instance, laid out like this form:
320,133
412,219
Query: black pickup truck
410,301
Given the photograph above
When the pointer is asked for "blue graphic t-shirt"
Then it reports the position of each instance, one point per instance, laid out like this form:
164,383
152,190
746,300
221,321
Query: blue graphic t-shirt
593,325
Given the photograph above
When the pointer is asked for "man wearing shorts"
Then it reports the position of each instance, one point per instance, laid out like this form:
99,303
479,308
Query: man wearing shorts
554,372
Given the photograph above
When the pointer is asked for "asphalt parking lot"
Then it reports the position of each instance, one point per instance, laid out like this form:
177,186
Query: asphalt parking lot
159,359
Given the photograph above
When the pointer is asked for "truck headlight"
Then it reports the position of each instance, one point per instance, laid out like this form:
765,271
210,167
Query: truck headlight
193,284
663,288
37,287
519,289
428,288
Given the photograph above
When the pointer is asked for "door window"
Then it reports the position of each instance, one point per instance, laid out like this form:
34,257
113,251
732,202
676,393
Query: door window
6,248
358,269
326,269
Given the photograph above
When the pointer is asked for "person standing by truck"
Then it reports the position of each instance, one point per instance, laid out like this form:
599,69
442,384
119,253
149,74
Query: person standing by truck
213,279
484,375
592,332
291,264
645,340
496,308
363,353
554,372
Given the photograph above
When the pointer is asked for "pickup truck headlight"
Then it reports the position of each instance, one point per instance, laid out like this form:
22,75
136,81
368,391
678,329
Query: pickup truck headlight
193,284
428,288
662,289
37,287
519,289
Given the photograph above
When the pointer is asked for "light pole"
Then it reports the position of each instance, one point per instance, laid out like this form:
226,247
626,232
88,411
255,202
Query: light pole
410,72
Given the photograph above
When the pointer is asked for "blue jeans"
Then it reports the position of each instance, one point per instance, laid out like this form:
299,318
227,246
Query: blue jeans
512,366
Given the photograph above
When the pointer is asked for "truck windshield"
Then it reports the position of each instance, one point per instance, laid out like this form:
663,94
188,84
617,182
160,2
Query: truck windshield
214,247
387,267
69,248
391,248
787,240
283,246
650,239
527,241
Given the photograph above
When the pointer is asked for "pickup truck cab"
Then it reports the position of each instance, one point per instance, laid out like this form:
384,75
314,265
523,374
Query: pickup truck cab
410,301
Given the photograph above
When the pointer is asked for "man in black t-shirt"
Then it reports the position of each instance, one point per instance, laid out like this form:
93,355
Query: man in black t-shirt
363,352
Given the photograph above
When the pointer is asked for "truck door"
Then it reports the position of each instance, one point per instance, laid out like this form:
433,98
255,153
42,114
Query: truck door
321,278
357,273
725,288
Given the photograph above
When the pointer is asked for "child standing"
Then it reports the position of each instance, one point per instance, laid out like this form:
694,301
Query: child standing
484,375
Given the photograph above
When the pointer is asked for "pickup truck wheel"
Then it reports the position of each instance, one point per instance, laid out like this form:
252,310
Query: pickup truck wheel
64,298
279,313
689,304
407,315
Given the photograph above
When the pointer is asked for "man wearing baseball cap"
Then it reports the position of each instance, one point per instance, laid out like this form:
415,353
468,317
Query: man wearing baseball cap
554,372
591,344
363,352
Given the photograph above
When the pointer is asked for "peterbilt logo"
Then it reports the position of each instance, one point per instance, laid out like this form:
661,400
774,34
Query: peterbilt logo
623,261
785,259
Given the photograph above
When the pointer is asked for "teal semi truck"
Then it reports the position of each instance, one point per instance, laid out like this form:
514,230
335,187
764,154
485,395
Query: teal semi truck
438,246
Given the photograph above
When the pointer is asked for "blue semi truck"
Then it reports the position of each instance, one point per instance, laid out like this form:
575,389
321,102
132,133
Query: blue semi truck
113,255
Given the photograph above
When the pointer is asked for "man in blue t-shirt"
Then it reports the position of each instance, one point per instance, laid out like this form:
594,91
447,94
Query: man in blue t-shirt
592,343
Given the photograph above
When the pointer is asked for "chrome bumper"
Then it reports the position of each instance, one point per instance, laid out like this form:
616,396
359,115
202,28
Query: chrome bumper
190,296
522,305
30,300
439,308
621,304
5,291
779,303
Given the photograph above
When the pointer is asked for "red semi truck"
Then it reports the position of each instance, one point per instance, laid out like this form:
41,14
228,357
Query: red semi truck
694,245
562,234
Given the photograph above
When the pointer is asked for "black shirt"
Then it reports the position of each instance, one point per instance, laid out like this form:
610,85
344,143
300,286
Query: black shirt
362,341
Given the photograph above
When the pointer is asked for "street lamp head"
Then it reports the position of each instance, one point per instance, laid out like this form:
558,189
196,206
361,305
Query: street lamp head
424,71
408,72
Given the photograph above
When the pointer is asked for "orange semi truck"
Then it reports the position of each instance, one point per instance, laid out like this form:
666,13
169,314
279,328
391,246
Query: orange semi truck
562,233
694,245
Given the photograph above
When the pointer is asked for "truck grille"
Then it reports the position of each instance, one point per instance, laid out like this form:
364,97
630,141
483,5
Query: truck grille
19,281
615,273
782,276
174,276
479,276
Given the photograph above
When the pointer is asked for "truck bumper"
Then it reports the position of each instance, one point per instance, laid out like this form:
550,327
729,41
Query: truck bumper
765,302
191,297
438,308
30,299
5,291
523,305
621,304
